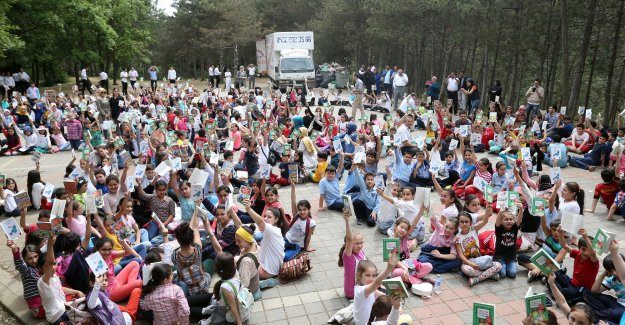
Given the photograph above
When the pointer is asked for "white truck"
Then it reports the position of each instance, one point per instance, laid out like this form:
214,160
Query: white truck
287,58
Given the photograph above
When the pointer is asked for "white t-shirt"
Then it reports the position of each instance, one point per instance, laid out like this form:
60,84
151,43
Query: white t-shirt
572,207
171,74
579,139
133,74
211,71
83,74
251,71
52,298
123,76
406,209
362,305
271,252
407,103
228,75
103,76
235,282
450,212
403,134
9,200
297,233
452,84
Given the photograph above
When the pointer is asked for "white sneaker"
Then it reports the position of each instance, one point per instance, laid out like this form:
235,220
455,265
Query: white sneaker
206,311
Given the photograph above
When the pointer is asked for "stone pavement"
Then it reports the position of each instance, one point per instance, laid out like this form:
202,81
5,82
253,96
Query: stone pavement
318,295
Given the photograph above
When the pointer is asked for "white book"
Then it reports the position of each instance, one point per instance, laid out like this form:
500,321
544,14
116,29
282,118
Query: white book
140,171
453,144
58,208
36,156
465,130
162,169
526,153
96,264
90,203
198,177
554,173
264,171
176,164
48,190
11,229
422,196
376,130
229,145
242,174
197,191
214,159
581,109
563,110
337,145
588,114
359,158
480,183
571,222
502,200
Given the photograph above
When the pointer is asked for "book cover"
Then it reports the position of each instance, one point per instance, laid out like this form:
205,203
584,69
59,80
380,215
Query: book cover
227,168
571,222
286,147
58,209
536,305
242,174
480,183
264,171
395,287
513,198
214,159
199,177
70,187
389,245
538,206
483,314
197,192
36,156
22,200
422,196
96,264
176,164
453,144
245,192
229,145
122,230
90,203
489,194
379,182
140,171
347,203
293,171
502,200
98,198
554,173
492,117
48,190
602,240
11,229
3,179
544,262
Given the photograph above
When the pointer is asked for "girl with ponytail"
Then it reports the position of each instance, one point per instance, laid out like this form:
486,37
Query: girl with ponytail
165,299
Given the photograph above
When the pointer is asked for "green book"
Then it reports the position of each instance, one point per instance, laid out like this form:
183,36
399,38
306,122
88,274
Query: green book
483,313
3,179
489,193
85,153
395,287
255,126
389,245
602,240
545,262
536,305
347,204
537,207
287,147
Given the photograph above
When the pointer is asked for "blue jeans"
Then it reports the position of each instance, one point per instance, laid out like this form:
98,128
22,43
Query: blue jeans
531,110
507,268
582,162
145,238
152,229
141,249
475,104
336,206
66,146
439,265
384,226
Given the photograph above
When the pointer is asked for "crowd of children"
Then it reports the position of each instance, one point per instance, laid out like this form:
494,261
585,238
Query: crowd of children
177,185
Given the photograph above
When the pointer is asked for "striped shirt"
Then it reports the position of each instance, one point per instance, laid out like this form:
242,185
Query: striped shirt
29,275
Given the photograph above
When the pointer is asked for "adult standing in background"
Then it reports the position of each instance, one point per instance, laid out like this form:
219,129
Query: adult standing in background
462,99
535,95
217,76
251,76
133,75
387,80
358,90
9,84
452,86
473,96
124,77
171,75
241,76
400,80
211,76
153,72
84,80
434,89
228,76
495,91
104,81
23,80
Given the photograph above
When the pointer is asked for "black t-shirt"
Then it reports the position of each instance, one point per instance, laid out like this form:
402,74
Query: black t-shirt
505,244
529,223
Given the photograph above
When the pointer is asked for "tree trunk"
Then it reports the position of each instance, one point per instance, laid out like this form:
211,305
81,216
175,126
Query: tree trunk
592,72
553,69
564,29
611,117
615,43
577,83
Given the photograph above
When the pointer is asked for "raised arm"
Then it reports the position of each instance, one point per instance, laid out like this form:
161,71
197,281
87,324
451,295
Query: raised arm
484,221
560,300
372,287
554,194
293,200
349,236
257,218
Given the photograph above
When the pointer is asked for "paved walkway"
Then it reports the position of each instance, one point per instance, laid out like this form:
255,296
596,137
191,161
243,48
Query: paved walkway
317,296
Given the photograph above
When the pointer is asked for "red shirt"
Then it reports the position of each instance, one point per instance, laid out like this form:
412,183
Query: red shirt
584,271
607,192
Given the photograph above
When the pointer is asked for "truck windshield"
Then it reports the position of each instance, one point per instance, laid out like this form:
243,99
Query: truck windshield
296,65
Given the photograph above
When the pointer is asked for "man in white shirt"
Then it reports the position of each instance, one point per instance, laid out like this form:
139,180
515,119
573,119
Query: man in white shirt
84,80
124,77
23,80
251,76
104,81
132,75
358,90
171,75
400,80
211,76
408,104
402,137
217,77
453,83
9,84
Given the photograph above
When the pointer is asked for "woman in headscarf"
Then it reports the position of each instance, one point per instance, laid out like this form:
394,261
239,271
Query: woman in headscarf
309,150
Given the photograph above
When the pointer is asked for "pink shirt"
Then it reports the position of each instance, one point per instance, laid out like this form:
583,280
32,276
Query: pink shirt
236,137
438,238
77,225
349,273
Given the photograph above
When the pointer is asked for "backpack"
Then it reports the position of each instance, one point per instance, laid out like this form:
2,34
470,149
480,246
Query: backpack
77,273
245,302
190,273
294,268
250,255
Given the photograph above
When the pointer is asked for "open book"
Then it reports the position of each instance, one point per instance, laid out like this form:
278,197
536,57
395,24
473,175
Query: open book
536,305
545,262
602,240
395,286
